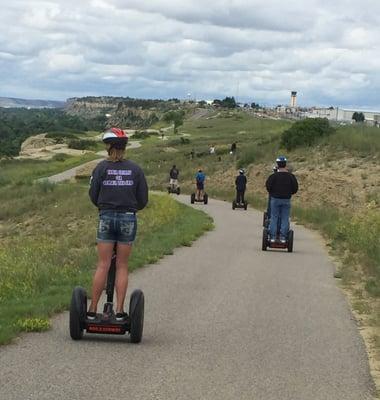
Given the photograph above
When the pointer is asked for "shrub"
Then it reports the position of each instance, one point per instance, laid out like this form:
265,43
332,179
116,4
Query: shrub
33,324
81,144
60,157
143,134
305,133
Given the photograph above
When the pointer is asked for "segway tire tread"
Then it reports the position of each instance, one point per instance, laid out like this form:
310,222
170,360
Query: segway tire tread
78,310
136,314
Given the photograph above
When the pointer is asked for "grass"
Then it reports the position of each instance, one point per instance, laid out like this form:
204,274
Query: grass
42,260
258,141
356,138
25,171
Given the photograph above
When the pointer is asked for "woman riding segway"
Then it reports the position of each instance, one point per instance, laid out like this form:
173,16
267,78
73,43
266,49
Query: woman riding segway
119,189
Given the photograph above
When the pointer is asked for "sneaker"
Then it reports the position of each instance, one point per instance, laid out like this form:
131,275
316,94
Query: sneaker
282,240
272,240
91,315
120,317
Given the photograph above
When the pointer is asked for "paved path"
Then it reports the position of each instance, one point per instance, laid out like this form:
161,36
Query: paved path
223,320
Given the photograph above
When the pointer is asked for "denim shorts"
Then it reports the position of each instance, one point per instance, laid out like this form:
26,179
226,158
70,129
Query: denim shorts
116,226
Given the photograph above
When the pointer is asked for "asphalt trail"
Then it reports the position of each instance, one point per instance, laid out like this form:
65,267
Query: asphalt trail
223,320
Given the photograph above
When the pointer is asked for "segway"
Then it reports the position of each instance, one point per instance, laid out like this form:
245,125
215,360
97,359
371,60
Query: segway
266,220
235,204
176,190
277,244
106,323
193,199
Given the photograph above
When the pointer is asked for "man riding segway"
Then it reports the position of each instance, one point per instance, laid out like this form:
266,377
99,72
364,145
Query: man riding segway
281,185
241,184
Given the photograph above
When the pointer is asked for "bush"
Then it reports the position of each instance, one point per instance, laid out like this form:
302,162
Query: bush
305,133
81,144
143,134
60,157
184,140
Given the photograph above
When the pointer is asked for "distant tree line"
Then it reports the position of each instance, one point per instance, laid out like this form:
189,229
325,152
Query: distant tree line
18,124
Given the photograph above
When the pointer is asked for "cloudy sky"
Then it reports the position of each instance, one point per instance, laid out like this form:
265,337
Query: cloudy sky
329,51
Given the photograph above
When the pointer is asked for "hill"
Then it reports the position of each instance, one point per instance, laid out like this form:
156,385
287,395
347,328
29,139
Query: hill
10,102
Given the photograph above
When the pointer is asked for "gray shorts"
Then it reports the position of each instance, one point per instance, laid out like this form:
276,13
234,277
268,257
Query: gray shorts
116,226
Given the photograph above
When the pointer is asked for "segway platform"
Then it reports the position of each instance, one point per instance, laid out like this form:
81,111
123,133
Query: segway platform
239,205
277,244
175,191
193,199
106,323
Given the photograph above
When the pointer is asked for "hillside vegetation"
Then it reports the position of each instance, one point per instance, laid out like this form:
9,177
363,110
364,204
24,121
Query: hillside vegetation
18,124
47,243
338,173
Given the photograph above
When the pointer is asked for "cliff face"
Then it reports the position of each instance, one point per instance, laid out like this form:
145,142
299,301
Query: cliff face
119,111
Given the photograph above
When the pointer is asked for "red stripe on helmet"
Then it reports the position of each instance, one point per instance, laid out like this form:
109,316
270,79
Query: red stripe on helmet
118,132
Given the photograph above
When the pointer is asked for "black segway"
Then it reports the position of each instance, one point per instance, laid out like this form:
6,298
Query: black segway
235,205
277,244
106,323
266,220
193,199
176,190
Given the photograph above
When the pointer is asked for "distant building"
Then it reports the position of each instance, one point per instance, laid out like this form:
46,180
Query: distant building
343,115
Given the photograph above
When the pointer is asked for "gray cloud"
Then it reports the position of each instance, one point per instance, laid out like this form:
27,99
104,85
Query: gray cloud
329,52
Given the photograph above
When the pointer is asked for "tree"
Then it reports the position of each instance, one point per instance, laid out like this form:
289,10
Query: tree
358,116
228,102
176,117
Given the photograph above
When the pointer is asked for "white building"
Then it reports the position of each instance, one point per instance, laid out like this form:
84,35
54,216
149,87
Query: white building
343,115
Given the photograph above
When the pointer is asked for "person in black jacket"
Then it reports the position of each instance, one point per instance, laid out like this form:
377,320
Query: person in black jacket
281,185
173,174
119,189
241,184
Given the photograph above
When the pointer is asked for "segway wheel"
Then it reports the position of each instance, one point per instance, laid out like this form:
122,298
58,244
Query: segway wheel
265,218
290,241
205,198
245,205
192,198
234,205
78,309
136,314
264,240
178,191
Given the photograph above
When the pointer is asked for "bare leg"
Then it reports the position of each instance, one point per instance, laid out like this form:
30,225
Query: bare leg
104,261
122,255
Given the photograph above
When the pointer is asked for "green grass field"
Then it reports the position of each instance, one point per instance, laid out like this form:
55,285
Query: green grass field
25,171
47,244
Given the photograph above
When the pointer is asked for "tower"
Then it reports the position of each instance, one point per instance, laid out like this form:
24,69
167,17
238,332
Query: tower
293,99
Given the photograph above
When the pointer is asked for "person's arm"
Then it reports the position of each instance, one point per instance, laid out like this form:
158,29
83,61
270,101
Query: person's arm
294,184
269,183
95,185
141,192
